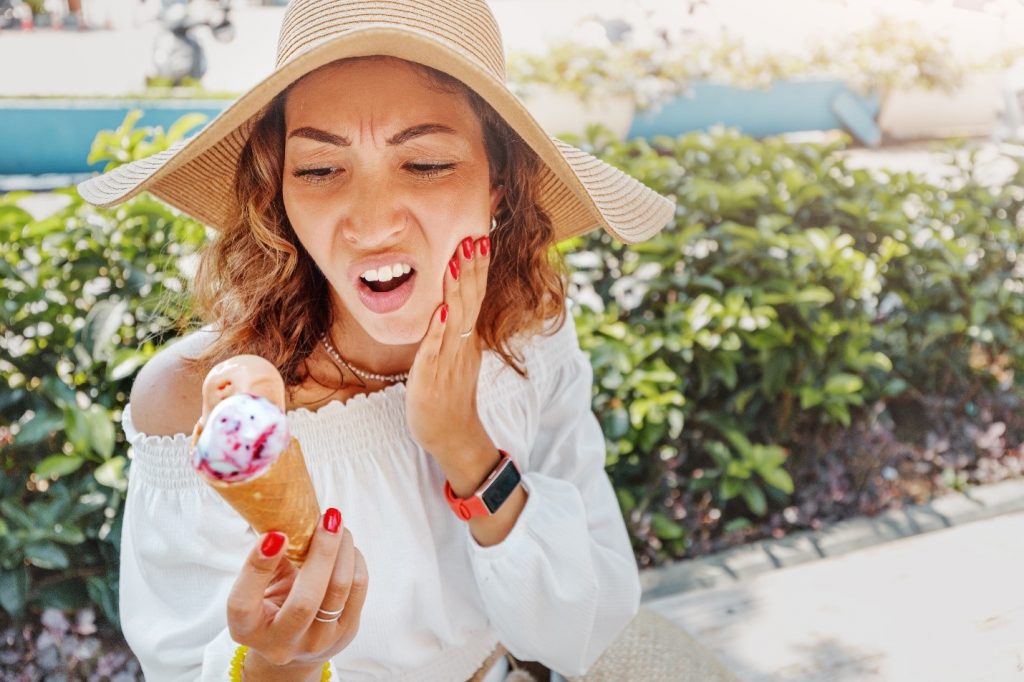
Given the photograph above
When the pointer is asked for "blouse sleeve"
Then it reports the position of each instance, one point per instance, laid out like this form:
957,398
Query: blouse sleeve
564,582
181,549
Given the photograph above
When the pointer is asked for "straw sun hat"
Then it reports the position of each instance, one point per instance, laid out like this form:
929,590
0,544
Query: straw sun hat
459,37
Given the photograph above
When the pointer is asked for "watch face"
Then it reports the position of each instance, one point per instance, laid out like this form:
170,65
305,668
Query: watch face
501,487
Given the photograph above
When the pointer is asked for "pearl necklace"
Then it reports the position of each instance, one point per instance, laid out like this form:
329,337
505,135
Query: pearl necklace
386,378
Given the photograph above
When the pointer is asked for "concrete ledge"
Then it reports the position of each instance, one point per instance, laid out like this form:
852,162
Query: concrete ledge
735,564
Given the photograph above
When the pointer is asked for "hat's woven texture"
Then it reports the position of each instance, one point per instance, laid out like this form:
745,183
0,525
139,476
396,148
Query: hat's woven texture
654,649
460,37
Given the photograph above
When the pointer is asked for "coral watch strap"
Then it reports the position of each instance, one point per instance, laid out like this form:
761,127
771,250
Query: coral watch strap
473,506
469,508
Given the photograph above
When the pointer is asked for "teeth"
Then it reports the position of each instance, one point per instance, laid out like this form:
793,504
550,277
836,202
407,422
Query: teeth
386,273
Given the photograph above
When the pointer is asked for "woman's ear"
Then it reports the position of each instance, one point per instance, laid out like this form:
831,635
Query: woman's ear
497,192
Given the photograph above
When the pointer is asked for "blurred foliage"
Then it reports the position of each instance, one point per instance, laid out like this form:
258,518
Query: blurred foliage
652,63
89,295
790,294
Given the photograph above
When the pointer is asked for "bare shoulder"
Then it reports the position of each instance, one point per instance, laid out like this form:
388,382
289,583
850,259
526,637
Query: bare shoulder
167,396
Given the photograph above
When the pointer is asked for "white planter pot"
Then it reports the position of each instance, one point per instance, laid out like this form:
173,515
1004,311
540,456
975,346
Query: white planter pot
564,112
918,113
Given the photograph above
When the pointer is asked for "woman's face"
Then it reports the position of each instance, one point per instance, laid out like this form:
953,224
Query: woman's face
382,169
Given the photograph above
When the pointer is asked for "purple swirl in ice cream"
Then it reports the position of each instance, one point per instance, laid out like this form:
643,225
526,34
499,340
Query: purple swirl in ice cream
242,437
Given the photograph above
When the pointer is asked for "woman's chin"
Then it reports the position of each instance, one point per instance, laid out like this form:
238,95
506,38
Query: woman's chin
399,331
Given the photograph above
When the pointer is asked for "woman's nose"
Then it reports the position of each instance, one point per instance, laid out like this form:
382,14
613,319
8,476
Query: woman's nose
373,216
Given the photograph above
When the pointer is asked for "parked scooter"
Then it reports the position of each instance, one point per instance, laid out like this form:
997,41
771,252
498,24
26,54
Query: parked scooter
177,54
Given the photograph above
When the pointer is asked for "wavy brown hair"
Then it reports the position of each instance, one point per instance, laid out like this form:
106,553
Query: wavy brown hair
264,295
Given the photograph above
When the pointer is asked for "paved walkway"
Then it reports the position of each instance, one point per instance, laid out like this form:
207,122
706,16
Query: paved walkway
941,606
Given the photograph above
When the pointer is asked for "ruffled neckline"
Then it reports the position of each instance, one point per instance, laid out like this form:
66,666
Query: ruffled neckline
351,402
356,402
300,415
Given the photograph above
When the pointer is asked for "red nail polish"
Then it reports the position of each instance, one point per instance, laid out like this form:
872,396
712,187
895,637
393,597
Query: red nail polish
272,544
332,520
444,313
485,246
467,247
453,265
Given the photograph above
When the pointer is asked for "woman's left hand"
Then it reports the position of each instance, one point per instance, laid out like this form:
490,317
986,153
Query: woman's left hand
441,389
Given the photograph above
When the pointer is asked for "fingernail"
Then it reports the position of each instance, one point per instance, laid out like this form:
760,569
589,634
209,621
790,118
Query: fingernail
444,313
485,246
453,265
467,247
332,520
272,544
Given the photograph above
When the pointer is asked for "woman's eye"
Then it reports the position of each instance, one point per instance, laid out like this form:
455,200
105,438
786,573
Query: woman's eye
430,169
314,175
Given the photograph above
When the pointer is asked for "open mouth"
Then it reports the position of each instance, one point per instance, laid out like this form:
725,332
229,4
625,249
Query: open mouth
390,285
389,296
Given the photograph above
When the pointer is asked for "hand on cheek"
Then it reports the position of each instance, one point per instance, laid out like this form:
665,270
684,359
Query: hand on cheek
441,389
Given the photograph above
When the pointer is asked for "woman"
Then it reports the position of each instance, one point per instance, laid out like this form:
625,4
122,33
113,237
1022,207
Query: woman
386,211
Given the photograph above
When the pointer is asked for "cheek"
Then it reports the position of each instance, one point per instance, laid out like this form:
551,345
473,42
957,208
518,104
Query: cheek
461,212
305,218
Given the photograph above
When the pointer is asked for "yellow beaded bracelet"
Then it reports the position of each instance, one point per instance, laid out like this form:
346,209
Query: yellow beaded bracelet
238,660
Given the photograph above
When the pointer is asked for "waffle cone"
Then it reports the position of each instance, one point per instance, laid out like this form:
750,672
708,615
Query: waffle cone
281,498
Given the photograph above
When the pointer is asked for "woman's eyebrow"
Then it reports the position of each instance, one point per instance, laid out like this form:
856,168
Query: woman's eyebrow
318,135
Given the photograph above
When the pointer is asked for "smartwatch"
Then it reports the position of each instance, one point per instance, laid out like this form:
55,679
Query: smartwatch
491,494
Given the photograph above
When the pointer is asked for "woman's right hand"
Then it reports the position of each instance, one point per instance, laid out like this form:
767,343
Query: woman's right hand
273,605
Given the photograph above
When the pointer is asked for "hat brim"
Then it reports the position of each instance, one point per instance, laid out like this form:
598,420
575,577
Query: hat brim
578,191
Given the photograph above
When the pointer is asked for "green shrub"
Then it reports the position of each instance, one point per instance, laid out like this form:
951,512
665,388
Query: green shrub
791,293
89,296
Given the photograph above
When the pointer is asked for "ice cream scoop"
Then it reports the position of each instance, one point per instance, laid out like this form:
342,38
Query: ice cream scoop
243,436
241,446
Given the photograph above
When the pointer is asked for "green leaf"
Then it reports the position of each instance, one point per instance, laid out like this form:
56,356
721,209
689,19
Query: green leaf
731,487
124,364
839,411
62,395
810,396
843,384
102,435
13,590
40,427
675,423
739,442
754,497
76,428
58,465
46,554
101,324
778,478
615,330
103,592
9,398
15,513
665,528
737,524
718,452
111,473
66,534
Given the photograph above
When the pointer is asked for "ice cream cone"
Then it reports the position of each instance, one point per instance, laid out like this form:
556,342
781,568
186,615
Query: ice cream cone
249,394
281,498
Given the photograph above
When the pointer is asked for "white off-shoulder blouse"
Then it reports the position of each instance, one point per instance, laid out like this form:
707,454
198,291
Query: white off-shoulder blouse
558,589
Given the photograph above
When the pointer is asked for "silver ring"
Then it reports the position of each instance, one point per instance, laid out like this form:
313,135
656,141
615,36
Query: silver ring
334,615
466,335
